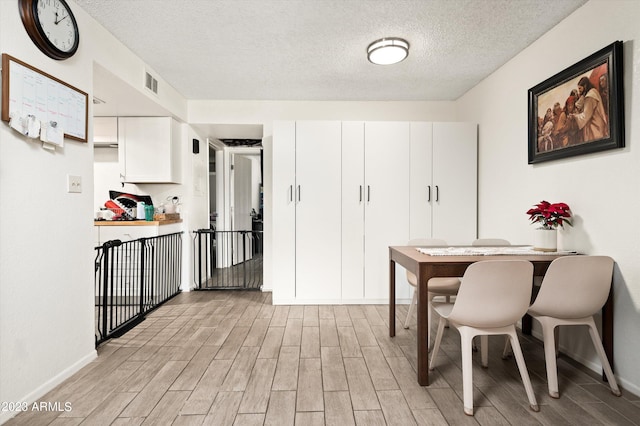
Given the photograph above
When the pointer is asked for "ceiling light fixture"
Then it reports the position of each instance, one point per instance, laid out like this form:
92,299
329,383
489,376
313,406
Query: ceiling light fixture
388,51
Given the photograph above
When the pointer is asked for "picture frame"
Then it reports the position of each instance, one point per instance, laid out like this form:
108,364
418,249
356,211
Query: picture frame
580,110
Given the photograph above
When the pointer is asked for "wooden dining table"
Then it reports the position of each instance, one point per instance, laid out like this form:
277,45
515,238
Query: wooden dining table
425,267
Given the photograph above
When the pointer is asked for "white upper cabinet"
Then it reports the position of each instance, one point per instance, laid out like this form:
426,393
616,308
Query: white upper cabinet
105,131
149,149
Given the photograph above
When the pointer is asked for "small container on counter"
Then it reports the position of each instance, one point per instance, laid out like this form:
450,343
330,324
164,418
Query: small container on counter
140,213
148,213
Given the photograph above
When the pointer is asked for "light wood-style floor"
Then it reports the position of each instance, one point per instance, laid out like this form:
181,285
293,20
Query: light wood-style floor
231,358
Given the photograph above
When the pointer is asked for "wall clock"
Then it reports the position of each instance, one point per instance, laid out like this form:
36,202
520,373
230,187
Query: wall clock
51,26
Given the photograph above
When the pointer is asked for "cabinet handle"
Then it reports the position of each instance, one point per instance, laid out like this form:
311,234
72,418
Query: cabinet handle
429,193
299,192
360,193
368,193
290,193
437,194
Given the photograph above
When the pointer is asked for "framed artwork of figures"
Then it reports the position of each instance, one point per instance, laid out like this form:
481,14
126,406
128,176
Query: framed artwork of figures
579,110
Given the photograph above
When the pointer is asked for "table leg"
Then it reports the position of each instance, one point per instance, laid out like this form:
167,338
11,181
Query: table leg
392,298
423,328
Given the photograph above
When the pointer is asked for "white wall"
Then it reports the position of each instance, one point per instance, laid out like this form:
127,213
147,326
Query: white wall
265,112
46,244
602,189
46,254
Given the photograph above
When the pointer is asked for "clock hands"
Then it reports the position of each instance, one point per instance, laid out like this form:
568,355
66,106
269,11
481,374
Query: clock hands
59,20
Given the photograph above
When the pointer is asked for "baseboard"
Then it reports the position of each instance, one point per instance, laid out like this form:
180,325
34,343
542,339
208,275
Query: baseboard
338,302
42,390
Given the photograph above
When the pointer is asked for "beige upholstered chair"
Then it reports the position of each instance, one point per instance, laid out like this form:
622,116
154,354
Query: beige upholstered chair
437,286
488,242
573,290
493,295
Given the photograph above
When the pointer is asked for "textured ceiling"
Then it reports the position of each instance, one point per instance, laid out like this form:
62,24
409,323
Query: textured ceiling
316,49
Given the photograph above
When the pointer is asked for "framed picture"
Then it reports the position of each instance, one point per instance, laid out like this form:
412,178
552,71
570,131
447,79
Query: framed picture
579,110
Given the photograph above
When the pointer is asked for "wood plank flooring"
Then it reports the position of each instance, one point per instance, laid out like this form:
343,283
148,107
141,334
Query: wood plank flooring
231,358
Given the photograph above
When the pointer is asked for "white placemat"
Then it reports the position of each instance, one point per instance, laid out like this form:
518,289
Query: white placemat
488,251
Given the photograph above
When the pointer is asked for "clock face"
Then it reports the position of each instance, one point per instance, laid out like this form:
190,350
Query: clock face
51,26
57,23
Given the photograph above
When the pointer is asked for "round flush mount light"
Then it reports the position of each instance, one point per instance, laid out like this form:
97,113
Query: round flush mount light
388,51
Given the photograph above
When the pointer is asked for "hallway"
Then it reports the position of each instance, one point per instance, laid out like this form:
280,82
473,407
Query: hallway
223,358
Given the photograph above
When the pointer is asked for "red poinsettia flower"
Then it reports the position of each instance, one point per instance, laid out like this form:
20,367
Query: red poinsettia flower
549,215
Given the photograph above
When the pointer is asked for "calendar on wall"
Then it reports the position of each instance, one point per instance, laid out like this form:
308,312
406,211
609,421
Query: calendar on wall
27,91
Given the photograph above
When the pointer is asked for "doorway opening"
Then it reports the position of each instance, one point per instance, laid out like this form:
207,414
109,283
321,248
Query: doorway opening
233,244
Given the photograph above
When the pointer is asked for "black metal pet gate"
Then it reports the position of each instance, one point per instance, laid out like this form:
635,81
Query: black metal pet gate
227,259
132,278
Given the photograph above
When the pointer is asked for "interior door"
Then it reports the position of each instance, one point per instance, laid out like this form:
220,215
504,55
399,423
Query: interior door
242,242
386,204
318,211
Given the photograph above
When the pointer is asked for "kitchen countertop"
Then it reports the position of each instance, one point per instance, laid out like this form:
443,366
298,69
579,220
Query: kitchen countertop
135,222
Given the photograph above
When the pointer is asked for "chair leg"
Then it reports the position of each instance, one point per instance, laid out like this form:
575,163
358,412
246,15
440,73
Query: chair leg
597,343
411,305
467,369
524,374
507,348
448,300
548,336
484,350
436,345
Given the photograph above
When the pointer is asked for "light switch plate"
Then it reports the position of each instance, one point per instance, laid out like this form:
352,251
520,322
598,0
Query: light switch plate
74,184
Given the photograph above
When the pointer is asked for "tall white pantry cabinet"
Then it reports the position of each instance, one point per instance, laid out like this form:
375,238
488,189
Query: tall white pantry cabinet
375,207
343,192
306,211
444,189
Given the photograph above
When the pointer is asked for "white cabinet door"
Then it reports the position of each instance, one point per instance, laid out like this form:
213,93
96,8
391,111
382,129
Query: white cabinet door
149,149
318,211
455,171
386,202
353,210
421,187
283,239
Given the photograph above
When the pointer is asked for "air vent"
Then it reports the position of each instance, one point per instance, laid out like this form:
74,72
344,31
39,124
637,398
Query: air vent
150,83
